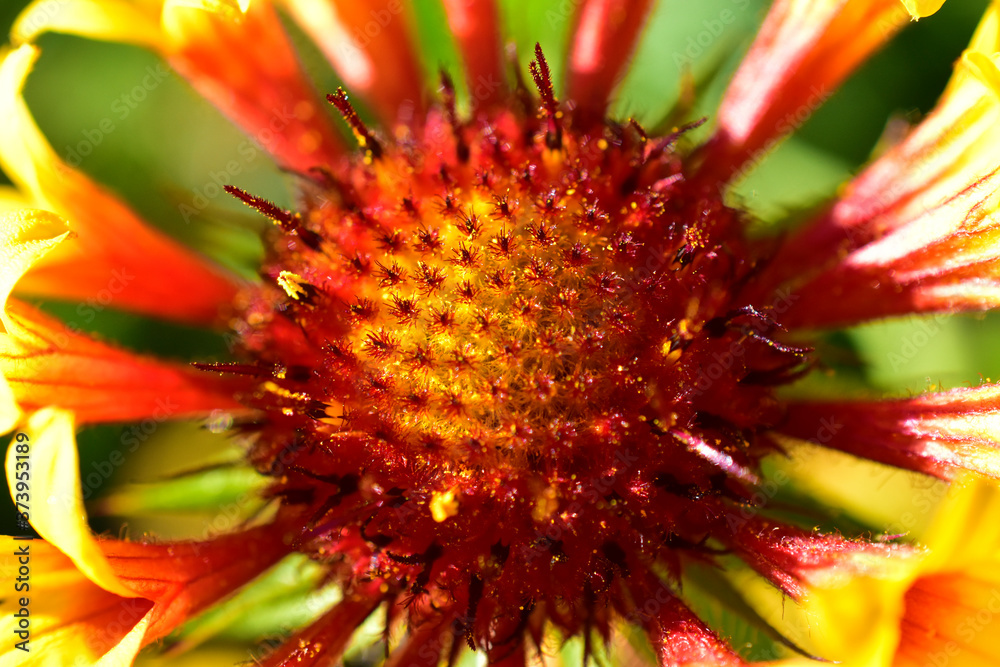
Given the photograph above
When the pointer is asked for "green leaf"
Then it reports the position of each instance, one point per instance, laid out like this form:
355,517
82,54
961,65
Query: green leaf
287,597
206,490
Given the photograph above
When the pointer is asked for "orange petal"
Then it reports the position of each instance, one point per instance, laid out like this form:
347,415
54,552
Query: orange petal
46,363
605,37
368,42
951,614
938,434
802,53
115,257
953,608
246,66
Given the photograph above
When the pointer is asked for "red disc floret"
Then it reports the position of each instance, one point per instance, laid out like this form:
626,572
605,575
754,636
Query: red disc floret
499,364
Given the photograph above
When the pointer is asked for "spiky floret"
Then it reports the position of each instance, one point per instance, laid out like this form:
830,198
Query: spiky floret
503,365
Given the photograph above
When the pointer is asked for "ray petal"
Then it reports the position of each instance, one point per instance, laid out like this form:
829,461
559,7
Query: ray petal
802,53
369,43
115,257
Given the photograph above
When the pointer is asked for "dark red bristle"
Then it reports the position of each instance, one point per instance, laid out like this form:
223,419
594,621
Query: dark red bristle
539,69
232,368
287,219
364,136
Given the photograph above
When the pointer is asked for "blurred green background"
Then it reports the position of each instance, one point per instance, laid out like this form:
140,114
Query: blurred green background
164,152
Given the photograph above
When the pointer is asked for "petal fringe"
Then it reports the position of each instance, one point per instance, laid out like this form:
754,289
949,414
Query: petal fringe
937,434
802,53
123,21
946,259
75,621
920,8
44,362
72,620
365,40
115,258
49,454
26,237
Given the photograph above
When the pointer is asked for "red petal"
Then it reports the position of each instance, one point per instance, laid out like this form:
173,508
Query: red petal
802,53
788,556
368,43
476,27
182,578
249,70
937,434
47,364
604,39
678,636
513,655
323,642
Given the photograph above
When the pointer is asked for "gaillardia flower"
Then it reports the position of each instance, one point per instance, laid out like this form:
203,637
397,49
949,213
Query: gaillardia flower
510,370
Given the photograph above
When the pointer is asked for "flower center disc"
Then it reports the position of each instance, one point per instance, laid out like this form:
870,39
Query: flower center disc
504,361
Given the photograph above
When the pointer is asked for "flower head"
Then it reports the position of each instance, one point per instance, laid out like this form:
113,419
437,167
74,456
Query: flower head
511,368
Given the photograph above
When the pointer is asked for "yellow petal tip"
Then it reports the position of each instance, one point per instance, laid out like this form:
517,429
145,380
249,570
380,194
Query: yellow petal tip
921,8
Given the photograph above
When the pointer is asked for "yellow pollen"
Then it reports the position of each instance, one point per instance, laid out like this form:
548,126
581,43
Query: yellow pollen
292,284
443,505
284,393
546,504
